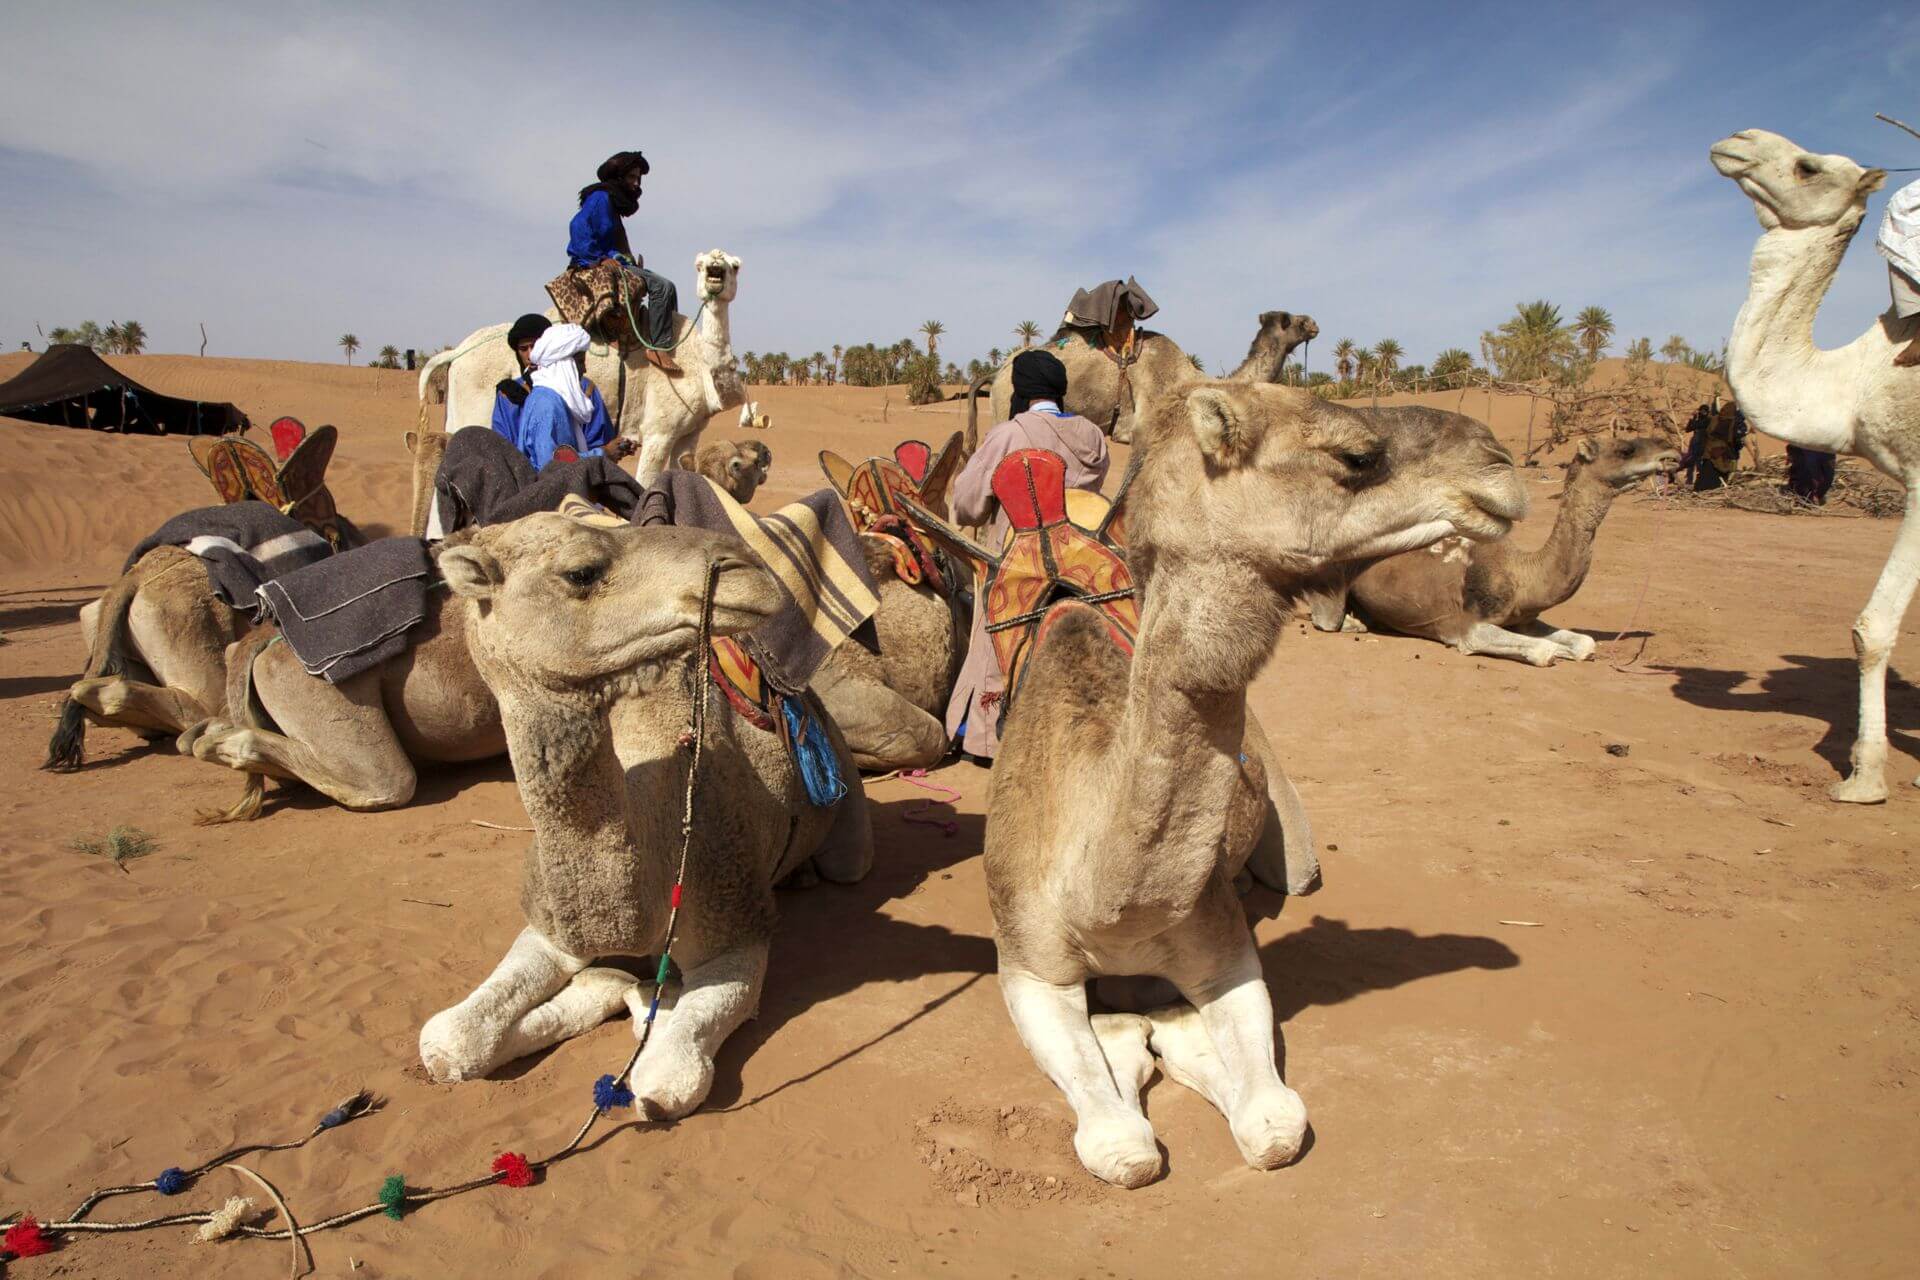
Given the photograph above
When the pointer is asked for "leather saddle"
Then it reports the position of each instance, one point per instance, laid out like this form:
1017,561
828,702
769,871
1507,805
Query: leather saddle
294,482
874,492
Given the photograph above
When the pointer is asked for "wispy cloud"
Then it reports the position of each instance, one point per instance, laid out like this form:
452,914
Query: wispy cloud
1411,171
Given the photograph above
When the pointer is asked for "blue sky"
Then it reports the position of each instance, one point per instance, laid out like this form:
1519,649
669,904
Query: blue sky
406,172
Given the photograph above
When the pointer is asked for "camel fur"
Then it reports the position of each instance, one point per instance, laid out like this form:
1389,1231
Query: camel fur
1851,400
664,415
1487,597
155,643
580,633
1128,794
1096,392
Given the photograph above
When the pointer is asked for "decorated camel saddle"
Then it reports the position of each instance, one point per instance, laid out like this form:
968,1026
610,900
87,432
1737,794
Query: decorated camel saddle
294,481
1050,561
875,490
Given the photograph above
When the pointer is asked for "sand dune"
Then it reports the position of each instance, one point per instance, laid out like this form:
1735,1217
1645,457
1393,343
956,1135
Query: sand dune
1702,1063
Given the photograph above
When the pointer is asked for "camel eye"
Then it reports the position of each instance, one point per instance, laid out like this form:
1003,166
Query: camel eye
1359,461
585,576
1805,167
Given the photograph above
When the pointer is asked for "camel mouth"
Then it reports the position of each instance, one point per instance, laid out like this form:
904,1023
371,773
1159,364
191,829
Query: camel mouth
1731,158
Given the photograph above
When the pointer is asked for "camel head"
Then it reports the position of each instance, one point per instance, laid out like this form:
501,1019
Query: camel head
1793,188
1624,461
738,467
1290,484
1280,332
718,274
564,605
1288,329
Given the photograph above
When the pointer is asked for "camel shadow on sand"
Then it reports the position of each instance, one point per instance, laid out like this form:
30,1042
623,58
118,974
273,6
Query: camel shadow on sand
1823,689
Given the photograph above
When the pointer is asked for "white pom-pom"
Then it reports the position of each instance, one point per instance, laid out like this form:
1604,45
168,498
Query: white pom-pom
226,1219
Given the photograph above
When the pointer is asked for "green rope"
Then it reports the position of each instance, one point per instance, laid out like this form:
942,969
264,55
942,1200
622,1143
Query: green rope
626,300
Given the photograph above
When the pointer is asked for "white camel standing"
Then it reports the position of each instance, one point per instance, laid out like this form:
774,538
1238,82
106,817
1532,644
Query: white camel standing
1851,400
664,415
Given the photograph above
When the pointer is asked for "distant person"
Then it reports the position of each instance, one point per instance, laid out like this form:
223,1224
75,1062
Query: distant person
1809,474
1696,441
1038,422
597,247
1107,313
1899,243
553,421
511,393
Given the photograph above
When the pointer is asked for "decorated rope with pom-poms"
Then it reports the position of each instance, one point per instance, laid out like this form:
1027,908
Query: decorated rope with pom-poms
28,1237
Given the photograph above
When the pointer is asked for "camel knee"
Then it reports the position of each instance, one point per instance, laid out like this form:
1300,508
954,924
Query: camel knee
1873,639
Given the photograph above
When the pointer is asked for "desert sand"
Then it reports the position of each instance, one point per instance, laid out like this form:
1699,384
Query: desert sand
1700,1058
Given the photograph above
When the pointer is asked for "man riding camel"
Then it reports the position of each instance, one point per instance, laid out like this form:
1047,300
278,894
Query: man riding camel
1038,422
1899,244
1106,314
605,279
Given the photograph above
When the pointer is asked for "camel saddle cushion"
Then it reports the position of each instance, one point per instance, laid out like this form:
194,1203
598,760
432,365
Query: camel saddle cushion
872,492
1048,559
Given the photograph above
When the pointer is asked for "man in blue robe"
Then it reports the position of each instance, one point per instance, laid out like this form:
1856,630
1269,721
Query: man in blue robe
511,393
563,413
598,235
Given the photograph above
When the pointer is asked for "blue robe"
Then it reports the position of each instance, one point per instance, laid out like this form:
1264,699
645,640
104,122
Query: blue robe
594,233
598,429
544,426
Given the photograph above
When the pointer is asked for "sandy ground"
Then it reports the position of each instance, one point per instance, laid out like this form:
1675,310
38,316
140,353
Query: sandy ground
1702,1061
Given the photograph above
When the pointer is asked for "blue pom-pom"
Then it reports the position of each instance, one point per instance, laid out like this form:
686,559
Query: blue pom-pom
609,1093
334,1117
171,1182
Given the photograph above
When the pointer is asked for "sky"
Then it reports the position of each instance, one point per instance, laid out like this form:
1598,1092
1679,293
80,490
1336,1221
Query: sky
405,172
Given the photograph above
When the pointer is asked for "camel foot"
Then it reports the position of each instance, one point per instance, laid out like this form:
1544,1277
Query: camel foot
1862,786
1270,1127
1581,648
671,1079
1119,1148
451,1048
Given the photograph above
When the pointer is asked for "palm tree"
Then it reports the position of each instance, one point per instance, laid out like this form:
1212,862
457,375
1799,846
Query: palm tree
349,344
1343,353
1595,329
92,335
1386,354
993,357
1676,349
833,370
1451,365
390,357
1026,331
1197,362
1533,344
933,329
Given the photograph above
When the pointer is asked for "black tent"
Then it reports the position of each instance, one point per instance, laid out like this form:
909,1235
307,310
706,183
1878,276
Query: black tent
71,386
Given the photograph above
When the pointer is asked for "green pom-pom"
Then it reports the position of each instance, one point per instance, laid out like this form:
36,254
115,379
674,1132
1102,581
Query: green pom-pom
393,1193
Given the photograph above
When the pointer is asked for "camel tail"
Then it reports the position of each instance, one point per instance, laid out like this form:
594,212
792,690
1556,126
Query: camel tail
244,709
426,372
67,748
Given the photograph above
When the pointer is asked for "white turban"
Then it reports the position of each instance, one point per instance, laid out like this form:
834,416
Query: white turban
552,361
1899,240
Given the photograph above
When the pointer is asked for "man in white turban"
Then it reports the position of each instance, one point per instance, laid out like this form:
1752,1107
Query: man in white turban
1899,244
560,408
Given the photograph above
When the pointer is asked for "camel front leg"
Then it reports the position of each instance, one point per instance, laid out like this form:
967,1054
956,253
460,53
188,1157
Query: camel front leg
1874,634
529,1002
1233,1064
1113,1139
1575,645
1498,642
675,1071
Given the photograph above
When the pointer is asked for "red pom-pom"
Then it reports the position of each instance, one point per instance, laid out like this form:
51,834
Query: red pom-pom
25,1239
514,1165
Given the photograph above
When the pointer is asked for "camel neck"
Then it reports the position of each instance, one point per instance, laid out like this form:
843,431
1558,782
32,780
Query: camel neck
1556,570
570,777
1776,371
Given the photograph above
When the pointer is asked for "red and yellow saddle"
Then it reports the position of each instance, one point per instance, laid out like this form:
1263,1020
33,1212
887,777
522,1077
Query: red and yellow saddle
874,490
295,482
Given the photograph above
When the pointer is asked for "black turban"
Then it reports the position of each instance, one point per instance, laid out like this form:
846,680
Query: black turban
527,328
1038,375
616,166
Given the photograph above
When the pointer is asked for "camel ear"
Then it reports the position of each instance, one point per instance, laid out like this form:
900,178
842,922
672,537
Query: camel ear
1871,181
471,571
1587,450
1221,425
684,462
413,442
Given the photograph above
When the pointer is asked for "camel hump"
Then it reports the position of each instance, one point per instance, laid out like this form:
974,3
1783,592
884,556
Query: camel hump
1031,485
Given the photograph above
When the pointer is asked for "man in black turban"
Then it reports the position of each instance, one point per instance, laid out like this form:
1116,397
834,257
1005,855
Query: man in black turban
1037,375
597,234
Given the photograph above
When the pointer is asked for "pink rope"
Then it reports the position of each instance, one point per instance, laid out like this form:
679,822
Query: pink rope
913,777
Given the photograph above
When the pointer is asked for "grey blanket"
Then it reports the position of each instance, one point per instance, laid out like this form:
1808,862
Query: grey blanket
811,549
1096,307
483,479
352,611
241,545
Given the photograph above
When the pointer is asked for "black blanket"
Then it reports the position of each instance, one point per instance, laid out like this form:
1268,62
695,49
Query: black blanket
241,544
352,612
483,479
